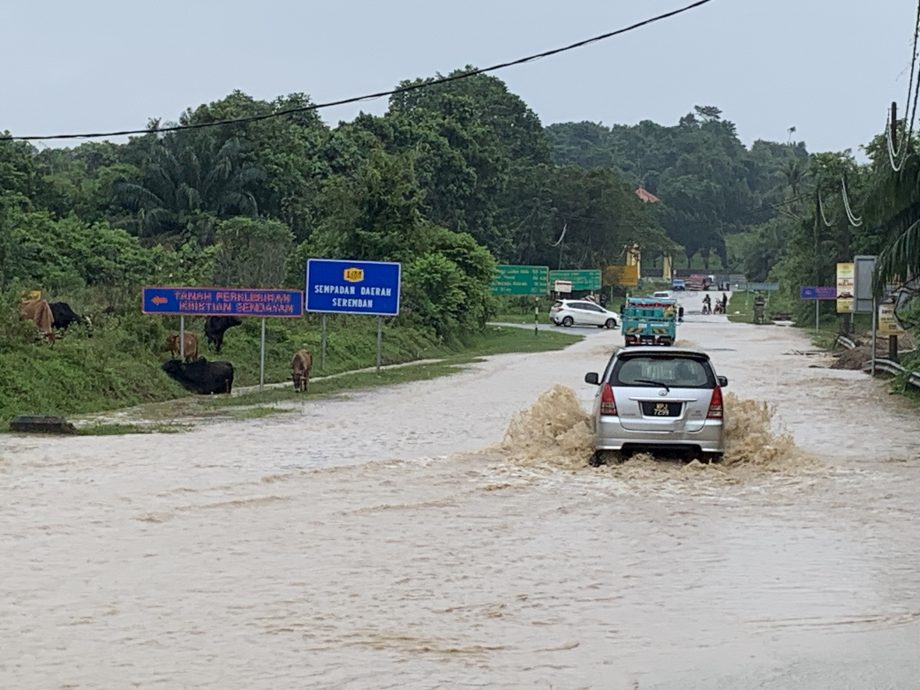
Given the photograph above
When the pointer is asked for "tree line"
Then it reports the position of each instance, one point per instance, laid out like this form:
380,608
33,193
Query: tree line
451,180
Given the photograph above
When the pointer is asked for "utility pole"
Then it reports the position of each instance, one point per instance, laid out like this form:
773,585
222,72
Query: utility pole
560,241
892,339
818,222
894,125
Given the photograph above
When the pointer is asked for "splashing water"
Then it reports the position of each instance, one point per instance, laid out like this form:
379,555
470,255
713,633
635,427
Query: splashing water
556,431
750,438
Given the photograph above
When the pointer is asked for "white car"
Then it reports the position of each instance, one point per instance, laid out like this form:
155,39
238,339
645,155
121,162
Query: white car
663,294
576,312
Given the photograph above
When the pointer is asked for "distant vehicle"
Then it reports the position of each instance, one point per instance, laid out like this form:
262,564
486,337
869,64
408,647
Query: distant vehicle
572,312
695,282
678,284
650,321
664,294
654,399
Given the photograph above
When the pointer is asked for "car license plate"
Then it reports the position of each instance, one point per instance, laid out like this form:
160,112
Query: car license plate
661,409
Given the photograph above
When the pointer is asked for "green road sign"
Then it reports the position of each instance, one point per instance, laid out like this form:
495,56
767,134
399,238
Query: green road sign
521,280
584,279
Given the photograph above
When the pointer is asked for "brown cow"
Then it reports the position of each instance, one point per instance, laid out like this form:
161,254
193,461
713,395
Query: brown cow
300,369
191,346
39,312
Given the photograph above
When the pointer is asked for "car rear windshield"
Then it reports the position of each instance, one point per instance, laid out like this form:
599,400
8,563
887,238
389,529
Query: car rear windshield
653,370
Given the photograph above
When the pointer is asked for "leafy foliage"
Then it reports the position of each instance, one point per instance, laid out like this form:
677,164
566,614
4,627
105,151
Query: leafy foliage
251,253
709,184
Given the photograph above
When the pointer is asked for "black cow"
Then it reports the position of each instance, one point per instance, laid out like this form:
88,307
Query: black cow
63,316
216,326
201,376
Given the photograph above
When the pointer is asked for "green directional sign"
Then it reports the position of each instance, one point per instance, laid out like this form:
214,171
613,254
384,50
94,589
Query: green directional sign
521,280
583,279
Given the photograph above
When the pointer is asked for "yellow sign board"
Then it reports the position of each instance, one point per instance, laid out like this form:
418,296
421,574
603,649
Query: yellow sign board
354,275
627,276
887,323
846,277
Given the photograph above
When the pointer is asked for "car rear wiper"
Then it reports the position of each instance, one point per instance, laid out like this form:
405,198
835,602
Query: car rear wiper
655,383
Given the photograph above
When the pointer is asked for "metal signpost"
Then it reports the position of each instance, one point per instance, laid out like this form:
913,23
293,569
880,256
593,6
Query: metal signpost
210,301
818,294
523,281
581,279
337,286
864,294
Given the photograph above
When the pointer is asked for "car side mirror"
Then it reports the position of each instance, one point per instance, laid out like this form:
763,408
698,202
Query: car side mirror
723,381
592,378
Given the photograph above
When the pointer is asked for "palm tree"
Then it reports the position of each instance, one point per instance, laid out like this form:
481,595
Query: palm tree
894,206
189,182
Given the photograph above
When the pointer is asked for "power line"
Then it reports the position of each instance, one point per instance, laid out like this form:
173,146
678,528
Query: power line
854,221
372,96
827,223
911,113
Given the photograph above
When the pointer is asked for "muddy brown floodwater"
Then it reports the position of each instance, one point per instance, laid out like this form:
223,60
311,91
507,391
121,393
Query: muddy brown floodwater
397,538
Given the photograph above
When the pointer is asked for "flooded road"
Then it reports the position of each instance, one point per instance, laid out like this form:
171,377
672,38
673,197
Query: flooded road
390,540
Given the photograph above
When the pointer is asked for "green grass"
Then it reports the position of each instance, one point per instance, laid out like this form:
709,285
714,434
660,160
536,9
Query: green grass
259,412
497,341
743,304
516,318
122,429
116,369
259,404
493,341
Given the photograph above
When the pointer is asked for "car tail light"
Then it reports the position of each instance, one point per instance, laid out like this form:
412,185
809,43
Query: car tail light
715,404
608,404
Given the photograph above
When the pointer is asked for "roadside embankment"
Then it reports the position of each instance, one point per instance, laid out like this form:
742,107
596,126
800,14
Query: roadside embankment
118,365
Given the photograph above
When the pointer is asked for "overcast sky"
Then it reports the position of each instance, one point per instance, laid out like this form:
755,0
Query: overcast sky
827,67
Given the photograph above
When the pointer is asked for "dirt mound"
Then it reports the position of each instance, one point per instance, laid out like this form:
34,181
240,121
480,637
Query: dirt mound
851,359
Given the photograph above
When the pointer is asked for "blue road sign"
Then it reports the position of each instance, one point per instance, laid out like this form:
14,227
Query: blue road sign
353,287
199,301
825,293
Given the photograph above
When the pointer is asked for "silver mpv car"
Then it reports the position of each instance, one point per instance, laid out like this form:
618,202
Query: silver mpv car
651,398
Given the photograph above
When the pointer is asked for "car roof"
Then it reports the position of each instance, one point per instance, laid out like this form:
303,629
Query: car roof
583,299
660,351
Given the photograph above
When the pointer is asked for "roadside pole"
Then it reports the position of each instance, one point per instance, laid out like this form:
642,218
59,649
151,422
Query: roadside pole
262,359
379,340
322,355
874,327
536,312
182,338
817,315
